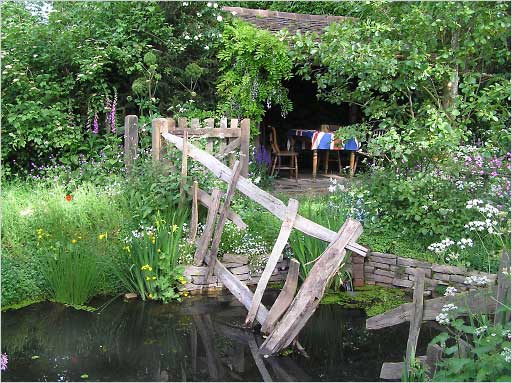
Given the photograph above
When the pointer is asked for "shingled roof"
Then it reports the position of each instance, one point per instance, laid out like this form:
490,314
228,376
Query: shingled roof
274,21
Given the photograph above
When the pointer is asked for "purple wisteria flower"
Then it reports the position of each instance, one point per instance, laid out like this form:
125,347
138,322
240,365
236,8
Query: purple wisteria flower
262,156
3,362
95,124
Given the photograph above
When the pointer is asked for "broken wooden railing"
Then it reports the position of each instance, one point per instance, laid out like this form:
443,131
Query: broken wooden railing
290,312
473,302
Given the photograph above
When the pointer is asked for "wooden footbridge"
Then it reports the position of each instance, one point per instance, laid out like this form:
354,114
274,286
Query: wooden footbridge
292,309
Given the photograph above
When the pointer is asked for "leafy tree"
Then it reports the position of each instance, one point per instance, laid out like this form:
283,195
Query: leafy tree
431,73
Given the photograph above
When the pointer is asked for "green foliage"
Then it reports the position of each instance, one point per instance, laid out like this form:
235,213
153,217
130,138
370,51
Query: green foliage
373,299
253,63
412,73
151,267
150,187
62,69
486,360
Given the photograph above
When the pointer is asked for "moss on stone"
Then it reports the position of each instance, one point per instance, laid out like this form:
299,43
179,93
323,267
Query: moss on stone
372,299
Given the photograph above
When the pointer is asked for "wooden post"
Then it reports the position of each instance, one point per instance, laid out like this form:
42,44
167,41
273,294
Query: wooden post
223,218
202,247
234,125
352,162
194,219
282,239
210,123
245,137
415,324
159,126
308,297
285,297
184,168
258,360
503,294
131,140
315,163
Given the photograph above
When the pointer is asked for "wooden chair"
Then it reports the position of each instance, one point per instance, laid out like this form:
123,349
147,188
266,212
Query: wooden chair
278,154
331,129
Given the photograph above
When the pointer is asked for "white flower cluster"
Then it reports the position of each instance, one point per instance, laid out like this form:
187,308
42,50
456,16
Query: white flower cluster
441,247
476,280
450,291
488,210
506,334
480,330
507,354
449,307
465,242
335,185
442,318
487,225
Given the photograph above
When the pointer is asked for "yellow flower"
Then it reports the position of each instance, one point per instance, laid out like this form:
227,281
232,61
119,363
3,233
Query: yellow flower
73,241
146,267
102,236
39,236
159,251
150,296
183,282
127,248
153,278
185,295
147,278
174,228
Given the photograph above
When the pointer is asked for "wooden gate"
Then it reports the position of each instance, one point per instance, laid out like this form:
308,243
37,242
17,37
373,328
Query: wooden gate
289,314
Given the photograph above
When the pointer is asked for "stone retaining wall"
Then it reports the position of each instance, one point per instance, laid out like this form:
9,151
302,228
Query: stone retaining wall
392,270
236,264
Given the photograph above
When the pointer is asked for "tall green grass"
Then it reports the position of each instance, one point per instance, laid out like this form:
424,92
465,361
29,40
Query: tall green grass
72,275
37,221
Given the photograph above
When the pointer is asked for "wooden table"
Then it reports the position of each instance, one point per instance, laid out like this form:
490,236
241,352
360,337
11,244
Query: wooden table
316,140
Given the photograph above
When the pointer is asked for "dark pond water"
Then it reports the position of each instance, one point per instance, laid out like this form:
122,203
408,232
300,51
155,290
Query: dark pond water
193,341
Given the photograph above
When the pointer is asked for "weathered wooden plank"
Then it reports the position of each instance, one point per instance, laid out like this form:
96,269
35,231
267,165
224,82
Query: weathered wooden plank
210,123
393,371
282,240
285,297
415,324
233,144
159,126
206,200
503,293
268,201
476,302
223,125
434,356
194,219
131,140
223,218
258,360
245,127
182,123
184,168
204,242
312,290
209,132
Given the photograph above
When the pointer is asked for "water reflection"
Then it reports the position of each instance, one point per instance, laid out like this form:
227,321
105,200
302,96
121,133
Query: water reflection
198,340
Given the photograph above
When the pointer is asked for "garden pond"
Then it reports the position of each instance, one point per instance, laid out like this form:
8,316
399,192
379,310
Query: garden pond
199,339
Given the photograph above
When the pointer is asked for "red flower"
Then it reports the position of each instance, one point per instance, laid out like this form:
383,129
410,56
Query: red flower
69,197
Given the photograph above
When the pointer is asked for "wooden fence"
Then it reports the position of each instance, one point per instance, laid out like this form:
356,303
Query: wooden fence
290,312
